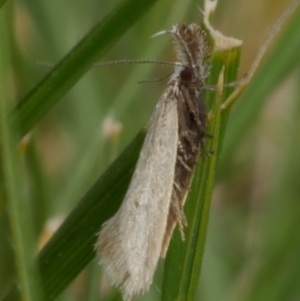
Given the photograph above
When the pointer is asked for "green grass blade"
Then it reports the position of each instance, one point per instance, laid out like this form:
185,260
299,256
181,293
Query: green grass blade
184,259
207,183
15,202
283,59
76,63
277,277
72,246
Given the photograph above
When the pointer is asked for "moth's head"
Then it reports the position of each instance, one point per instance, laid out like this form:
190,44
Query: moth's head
193,50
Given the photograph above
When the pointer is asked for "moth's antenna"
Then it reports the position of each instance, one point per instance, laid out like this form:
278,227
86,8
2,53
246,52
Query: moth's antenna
48,65
130,62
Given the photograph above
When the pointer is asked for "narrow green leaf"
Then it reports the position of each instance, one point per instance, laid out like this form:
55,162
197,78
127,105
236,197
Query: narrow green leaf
283,59
76,63
278,274
72,246
15,201
184,259
207,180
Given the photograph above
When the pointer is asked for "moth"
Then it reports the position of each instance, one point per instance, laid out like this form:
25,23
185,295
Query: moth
132,241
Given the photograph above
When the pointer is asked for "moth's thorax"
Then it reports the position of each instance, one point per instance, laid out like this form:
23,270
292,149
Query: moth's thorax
192,50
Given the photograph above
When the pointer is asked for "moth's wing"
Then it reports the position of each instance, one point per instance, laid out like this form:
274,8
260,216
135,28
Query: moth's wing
130,242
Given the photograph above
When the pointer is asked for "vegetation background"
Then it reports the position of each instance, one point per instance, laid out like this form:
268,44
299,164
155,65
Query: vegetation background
253,244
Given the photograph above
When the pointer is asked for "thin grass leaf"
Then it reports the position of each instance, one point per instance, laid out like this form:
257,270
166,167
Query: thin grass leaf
76,63
282,221
207,182
72,246
184,259
15,203
283,59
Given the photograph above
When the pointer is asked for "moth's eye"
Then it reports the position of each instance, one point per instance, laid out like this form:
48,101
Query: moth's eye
186,74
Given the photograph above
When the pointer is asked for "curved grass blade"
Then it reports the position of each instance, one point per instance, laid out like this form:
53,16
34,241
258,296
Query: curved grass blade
15,202
184,259
72,246
286,57
46,94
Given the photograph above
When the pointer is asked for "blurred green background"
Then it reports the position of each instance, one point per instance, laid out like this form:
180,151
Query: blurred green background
253,245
